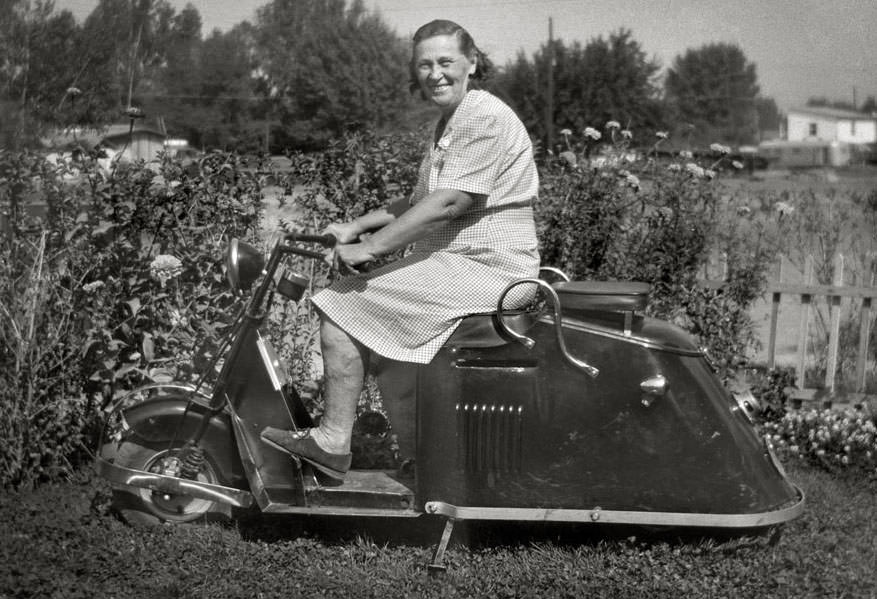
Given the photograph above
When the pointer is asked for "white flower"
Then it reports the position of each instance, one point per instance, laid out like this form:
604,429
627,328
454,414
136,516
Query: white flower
565,132
720,149
661,134
685,154
694,169
613,125
737,164
178,319
626,134
592,133
93,286
165,267
784,208
709,174
674,167
633,181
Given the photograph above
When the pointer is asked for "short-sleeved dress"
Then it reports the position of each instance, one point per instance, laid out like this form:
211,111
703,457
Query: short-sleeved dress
407,310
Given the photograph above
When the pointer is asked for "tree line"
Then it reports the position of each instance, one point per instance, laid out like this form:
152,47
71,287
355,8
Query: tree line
304,71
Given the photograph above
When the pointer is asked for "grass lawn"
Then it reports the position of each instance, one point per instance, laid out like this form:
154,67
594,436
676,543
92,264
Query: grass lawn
59,541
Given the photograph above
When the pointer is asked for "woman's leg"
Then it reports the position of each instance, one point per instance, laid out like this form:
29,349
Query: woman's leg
345,361
397,382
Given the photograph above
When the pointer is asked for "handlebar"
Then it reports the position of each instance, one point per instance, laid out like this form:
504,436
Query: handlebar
327,240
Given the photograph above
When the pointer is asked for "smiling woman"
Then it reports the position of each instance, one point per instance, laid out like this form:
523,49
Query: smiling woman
470,221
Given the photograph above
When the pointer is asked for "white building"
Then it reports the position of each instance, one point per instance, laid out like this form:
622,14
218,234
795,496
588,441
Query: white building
820,123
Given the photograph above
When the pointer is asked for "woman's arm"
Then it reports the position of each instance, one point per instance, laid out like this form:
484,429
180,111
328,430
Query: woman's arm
349,231
380,217
418,221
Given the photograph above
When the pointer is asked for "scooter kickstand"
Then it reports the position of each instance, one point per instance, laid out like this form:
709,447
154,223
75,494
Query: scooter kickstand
437,567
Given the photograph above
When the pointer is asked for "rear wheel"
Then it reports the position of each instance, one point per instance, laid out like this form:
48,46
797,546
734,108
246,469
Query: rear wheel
144,507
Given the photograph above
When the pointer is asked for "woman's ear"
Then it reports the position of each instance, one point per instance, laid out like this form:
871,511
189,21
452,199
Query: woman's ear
474,67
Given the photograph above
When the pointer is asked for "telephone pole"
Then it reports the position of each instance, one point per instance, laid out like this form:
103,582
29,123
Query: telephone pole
549,93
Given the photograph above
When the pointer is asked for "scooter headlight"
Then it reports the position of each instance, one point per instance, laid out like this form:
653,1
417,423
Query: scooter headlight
243,264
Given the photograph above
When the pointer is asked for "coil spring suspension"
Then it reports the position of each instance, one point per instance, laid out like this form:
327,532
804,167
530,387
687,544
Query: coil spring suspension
192,461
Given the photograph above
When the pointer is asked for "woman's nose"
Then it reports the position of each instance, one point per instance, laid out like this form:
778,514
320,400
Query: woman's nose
435,73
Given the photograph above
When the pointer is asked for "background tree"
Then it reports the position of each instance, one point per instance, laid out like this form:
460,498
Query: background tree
714,88
608,79
326,67
124,51
227,93
37,67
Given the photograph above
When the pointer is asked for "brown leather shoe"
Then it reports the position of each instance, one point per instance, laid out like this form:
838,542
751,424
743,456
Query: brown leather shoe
301,445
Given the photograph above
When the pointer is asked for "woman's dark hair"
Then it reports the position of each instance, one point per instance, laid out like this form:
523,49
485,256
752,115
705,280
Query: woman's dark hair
483,66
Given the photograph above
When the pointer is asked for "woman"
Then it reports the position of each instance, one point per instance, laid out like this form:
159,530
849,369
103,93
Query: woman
470,219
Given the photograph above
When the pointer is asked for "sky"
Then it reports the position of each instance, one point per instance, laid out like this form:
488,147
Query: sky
801,48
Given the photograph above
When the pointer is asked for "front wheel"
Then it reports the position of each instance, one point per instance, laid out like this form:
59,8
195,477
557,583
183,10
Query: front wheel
144,507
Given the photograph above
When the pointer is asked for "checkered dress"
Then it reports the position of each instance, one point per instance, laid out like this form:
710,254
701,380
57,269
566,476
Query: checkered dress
407,310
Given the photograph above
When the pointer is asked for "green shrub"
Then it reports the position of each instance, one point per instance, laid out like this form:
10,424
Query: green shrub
618,214
120,279
837,440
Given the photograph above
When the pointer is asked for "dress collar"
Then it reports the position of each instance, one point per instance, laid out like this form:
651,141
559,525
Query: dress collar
469,101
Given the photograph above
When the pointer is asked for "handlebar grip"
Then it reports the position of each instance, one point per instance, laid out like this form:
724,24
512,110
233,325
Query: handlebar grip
327,240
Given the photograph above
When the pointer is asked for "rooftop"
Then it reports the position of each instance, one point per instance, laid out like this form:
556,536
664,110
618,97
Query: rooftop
833,113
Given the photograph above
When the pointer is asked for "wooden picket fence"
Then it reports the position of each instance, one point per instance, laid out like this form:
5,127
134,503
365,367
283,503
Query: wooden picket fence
802,293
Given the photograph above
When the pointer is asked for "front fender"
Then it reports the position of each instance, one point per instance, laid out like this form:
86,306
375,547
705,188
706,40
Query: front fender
170,417
146,392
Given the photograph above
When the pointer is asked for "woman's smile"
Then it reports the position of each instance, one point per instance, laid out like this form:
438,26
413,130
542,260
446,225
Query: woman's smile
443,71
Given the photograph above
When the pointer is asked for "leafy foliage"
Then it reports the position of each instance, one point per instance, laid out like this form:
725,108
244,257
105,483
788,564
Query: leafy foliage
837,440
715,88
605,79
327,67
117,282
608,213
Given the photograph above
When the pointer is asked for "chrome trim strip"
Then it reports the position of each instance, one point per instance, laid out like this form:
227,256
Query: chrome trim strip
619,335
174,486
282,508
598,515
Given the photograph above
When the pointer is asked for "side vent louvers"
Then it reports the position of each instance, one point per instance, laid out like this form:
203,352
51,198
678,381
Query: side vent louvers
489,437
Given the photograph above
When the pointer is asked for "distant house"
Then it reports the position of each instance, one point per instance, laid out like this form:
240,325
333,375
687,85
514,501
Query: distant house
822,136
821,123
142,141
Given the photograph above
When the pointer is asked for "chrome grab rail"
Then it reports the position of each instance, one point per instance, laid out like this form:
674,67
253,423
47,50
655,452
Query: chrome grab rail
528,342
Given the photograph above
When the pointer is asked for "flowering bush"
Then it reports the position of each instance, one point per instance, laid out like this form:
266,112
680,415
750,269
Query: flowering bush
833,439
610,211
119,279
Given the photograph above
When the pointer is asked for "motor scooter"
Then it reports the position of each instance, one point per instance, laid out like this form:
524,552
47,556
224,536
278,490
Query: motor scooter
579,409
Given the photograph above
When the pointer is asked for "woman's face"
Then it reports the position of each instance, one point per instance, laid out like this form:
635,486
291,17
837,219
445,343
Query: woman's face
443,71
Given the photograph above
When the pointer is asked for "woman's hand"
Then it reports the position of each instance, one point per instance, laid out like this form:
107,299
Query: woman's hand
346,257
343,232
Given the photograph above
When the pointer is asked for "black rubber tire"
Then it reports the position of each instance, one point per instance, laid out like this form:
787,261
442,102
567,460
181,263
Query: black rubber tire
143,507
